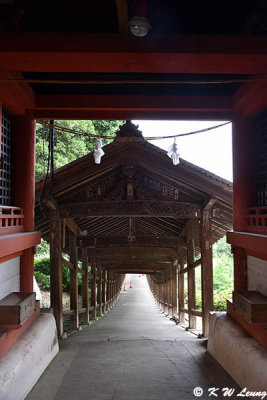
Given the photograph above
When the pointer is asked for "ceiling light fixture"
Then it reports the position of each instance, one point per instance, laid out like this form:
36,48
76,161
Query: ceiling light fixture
139,26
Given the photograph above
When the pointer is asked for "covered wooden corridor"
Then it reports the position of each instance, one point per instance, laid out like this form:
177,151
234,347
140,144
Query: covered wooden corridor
134,352
135,212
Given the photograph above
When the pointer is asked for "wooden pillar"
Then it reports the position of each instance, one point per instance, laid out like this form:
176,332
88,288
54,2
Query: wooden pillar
56,269
169,291
174,290
162,292
108,290
104,290
191,283
73,281
111,294
93,288
24,188
99,289
158,289
206,268
181,289
244,189
85,291
240,269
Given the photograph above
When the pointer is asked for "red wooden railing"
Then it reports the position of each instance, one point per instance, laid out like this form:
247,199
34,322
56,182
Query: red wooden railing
11,220
257,220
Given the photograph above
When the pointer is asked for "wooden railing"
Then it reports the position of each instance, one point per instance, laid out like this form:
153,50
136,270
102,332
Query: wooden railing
257,220
11,220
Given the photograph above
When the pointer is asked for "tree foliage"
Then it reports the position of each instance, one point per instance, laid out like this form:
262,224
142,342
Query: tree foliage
223,275
67,146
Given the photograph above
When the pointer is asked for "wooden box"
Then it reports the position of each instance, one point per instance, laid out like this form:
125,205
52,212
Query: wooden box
16,308
251,305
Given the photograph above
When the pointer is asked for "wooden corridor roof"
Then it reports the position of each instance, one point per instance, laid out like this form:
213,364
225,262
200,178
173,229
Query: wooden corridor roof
135,191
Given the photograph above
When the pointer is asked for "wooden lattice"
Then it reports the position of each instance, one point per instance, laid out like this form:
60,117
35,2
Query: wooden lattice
261,158
6,164
11,220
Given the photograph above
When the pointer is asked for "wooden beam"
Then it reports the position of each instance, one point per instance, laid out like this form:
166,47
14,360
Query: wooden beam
52,204
134,114
134,251
135,270
122,13
210,204
82,102
67,263
150,266
56,269
190,266
74,52
129,252
136,208
249,241
72,226
16,96
141,260
251,98
147,241
10,244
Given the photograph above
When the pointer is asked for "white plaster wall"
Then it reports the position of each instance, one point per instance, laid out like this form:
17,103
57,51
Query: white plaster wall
9,277
238,353
23,364
257,275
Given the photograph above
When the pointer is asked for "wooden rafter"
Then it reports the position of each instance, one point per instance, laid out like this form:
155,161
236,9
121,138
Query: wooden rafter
122,13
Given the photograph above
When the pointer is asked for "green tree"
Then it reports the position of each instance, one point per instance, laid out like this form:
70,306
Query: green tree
223,276
67,146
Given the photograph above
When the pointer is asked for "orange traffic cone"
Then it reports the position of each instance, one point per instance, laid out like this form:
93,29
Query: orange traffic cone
124,288
131,285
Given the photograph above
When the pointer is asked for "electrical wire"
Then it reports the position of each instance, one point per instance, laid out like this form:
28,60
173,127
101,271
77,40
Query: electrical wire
135,139
50,166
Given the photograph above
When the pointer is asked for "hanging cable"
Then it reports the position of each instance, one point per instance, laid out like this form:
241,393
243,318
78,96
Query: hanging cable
135,139
50,166
51,149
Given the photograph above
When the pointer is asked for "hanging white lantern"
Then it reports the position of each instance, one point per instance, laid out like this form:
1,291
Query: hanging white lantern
98,152
173,153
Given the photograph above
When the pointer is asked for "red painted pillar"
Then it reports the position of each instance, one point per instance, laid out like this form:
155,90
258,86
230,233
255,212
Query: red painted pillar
243,190
243,170
24,187
0,128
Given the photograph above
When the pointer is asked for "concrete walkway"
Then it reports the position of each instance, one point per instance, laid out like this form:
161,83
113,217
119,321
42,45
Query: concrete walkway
134,352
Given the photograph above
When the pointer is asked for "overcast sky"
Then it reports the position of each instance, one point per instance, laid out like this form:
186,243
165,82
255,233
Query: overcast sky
211,150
